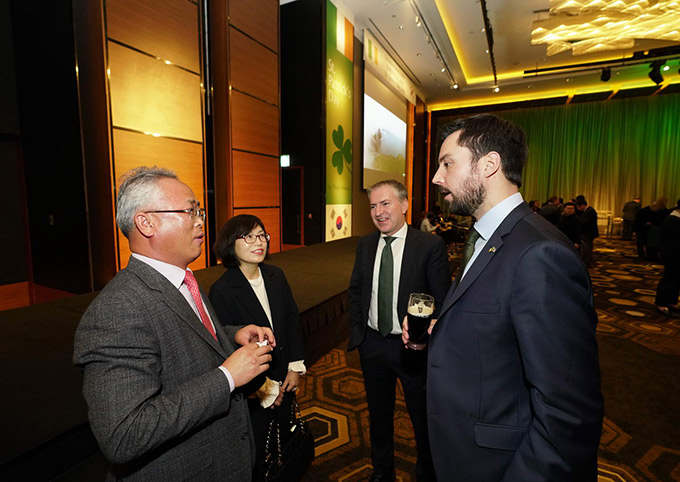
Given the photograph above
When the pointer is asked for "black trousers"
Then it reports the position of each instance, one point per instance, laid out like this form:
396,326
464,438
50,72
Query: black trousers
669,285
383,361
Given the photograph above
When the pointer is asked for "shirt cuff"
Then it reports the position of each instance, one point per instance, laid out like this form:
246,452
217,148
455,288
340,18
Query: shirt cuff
297,366
229,377
268,392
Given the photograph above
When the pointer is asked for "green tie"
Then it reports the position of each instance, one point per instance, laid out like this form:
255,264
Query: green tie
385,288
469,249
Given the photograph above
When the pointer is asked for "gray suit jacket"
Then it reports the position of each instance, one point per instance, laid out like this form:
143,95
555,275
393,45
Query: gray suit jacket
158,404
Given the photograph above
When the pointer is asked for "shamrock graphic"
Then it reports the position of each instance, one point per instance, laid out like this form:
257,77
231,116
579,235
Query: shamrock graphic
344,153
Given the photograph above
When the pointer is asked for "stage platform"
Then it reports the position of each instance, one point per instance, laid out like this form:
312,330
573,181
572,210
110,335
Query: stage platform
44,419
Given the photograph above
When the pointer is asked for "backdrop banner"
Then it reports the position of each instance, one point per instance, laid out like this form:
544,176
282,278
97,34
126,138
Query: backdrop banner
339,93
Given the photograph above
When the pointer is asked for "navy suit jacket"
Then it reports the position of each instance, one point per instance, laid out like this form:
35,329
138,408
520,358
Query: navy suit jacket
513,382
424,269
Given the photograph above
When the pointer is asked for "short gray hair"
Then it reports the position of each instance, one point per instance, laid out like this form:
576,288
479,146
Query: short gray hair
139,187
398,187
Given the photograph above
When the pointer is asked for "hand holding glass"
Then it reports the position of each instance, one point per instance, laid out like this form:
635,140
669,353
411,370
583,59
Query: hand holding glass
420,310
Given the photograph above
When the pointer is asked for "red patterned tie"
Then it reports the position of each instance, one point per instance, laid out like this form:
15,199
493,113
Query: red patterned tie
191,283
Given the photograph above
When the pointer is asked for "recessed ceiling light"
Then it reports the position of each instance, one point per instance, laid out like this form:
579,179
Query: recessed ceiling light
487,51
443,69
496,89
666,68
401,27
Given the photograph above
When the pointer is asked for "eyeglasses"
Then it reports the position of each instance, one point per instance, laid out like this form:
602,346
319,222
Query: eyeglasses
250,238
195,213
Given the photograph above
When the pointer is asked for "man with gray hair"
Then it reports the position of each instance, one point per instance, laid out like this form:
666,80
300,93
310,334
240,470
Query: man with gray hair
392,263
160,372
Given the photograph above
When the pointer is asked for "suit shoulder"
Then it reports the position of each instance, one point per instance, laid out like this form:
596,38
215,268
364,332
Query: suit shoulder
536,229
424,238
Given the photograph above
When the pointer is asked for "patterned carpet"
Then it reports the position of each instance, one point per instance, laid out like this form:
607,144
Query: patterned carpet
640,362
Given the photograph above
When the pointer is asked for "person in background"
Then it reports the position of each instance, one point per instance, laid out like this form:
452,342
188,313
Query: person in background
429,224
160,372
535,206
589,230
669,286
630,211
513,380
551,210
391,263
570,224
255,292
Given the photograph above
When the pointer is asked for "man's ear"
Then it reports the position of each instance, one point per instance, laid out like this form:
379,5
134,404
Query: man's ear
404,206
491,164
144,225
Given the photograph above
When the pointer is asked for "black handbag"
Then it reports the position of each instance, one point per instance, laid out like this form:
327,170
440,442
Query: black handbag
289,450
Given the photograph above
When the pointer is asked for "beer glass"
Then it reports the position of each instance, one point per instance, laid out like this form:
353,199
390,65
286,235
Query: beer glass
419,312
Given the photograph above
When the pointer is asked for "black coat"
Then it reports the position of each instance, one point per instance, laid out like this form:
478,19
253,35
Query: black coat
236,304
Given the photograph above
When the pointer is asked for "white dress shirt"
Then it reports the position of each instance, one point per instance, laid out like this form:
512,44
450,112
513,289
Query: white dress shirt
397,254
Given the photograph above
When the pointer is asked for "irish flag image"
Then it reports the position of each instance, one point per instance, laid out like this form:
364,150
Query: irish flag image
344,31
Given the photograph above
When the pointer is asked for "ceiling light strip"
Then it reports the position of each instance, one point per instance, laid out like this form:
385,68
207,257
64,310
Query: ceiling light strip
489,41
420,16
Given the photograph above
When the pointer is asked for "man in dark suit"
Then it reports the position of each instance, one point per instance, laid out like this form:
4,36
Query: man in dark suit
513,382
159,370
589,230
378,303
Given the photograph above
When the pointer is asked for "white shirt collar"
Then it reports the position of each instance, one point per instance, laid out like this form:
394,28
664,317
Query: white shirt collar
400,233
488,224
173,273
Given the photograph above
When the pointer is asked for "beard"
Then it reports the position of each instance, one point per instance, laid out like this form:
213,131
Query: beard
469,197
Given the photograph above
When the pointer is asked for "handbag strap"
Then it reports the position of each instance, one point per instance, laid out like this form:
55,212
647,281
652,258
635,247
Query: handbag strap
272,433
295,416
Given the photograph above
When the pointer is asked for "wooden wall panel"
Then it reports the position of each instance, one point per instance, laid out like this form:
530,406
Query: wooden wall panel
254,69
14,295
185,158
167,29
256,180
271,217
149,96
255,125
257,18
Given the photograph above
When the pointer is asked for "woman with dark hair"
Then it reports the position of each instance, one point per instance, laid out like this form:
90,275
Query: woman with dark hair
253,292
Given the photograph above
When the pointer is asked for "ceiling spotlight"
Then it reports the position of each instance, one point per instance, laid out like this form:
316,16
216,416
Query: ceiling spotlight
666,68
418,24
606,74
455,85
496,89
655,73
401,27
443,69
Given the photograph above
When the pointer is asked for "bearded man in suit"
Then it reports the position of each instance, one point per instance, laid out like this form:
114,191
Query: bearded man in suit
417,264
160,372
513,380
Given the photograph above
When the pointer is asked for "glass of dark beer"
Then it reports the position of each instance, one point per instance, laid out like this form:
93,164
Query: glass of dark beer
419,311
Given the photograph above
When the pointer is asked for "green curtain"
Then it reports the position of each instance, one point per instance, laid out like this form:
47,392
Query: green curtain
609,151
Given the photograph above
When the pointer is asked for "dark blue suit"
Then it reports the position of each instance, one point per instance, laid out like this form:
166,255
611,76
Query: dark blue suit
513,382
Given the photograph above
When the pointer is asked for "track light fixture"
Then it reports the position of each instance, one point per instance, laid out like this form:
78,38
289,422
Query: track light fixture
606,74
655,73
